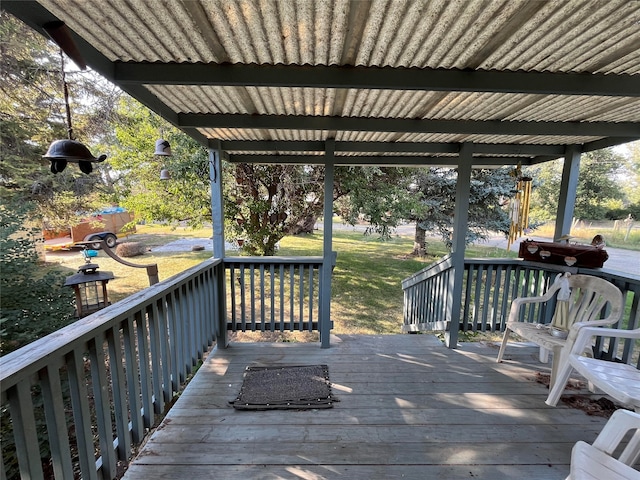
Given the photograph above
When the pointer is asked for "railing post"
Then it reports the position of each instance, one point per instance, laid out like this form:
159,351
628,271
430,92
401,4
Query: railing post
568,190
327,254
217,216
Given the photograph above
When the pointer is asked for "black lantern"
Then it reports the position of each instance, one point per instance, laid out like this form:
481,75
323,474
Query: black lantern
90,287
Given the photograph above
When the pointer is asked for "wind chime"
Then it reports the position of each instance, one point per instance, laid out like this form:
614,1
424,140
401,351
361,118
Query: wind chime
519,206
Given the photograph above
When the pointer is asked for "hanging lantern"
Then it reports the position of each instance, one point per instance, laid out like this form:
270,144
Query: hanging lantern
90,287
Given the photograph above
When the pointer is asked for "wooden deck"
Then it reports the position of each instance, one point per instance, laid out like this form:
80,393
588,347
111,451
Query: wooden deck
409,408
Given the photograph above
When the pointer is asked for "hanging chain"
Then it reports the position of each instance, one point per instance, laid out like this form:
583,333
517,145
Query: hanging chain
65,90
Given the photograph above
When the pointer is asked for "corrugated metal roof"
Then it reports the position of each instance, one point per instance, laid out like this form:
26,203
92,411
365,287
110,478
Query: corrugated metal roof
398,104
562,36
556,37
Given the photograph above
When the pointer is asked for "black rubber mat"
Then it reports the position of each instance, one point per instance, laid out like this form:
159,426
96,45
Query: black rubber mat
285,387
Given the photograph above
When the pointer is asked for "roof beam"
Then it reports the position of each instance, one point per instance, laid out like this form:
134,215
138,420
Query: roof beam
429,79
607,142
382,160
389,147
365,124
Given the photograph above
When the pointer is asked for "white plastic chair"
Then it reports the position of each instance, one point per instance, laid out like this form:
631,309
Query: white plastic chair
618,380
597,461
589,298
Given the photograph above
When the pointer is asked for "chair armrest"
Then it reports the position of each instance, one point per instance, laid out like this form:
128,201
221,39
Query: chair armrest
583,332
518,302
615,429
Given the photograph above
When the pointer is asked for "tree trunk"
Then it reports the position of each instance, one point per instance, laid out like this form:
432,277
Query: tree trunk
306,225
419,242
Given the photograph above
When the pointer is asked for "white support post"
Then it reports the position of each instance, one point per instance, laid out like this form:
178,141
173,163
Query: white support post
460,225
568,191
327,246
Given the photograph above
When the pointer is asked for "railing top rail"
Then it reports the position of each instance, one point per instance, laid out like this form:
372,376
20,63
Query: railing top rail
430,270
34,356
268,260
598,272
613,274
445,262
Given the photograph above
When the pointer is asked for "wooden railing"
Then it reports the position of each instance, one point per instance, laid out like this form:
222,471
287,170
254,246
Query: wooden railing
426,294
490,285
273,293
84,396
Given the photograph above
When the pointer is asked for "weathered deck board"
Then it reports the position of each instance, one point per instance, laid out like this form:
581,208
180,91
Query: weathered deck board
409,408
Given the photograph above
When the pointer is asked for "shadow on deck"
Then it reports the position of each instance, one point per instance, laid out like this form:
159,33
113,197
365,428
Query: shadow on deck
409,408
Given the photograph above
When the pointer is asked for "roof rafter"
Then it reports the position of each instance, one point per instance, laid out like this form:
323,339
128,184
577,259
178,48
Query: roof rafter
320,76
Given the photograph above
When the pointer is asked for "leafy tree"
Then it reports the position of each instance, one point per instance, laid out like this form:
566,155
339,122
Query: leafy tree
134,171
26,106
546,187
386,197
631,173
597,187
32,304
438,187
380,196
269,201
263,203
32,115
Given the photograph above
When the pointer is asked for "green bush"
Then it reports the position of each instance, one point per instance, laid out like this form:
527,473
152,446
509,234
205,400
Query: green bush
634,210
616,214
32,304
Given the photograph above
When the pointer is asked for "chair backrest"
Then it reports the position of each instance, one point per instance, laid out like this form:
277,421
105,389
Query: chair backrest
593,298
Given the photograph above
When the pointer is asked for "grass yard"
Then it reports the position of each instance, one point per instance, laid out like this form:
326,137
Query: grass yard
366,291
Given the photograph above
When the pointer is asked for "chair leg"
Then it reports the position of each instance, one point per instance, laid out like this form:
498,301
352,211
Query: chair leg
559,383
543,355
555,362
505,339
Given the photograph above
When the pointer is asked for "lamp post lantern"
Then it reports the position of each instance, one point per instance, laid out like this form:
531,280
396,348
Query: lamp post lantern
90,287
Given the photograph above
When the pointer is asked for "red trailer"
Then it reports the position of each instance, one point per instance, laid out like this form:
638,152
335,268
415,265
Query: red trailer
97,227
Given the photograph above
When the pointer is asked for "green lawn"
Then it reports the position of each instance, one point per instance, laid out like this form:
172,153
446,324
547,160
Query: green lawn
366,288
